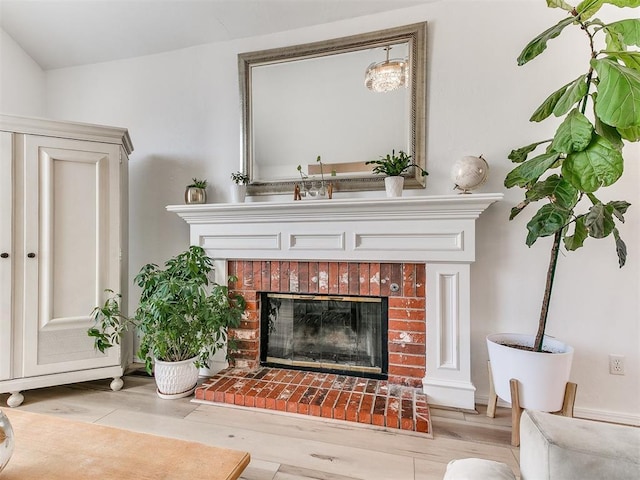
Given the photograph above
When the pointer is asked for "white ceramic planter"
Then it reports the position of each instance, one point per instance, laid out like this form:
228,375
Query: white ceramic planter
543,376
238,193
175,379
393,186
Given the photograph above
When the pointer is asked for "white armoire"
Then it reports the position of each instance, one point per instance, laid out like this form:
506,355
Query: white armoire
63,242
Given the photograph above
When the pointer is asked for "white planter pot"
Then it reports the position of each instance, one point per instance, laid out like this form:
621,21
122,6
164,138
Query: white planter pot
175,379
393,186
542,376
238,193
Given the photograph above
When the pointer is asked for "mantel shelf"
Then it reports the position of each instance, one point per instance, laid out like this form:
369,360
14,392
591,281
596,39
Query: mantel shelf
461,206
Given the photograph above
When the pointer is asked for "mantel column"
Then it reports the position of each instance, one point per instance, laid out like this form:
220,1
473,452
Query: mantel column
448,376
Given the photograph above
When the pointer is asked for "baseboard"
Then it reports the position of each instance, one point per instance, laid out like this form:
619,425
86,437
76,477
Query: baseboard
605,416
586,413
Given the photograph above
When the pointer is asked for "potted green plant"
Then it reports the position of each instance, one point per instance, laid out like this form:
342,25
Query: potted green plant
239,187
182,316
196,192
394,166
600,112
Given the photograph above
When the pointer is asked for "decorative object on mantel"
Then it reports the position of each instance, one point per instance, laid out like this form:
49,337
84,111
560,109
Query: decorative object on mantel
584,155
239,187
387,75
313,189
6,440
393,166
469,173
183,317
196,192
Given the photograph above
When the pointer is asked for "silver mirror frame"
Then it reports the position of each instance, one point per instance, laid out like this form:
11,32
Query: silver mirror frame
415,35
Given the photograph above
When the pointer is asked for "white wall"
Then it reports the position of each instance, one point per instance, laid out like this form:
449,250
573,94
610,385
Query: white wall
183,113
21,80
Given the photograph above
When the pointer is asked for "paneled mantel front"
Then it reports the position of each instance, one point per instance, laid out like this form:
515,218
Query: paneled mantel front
438,231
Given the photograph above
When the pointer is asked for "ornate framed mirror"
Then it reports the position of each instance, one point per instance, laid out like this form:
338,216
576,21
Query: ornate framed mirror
308,101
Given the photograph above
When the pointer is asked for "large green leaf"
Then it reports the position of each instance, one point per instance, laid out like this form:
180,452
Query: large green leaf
538,45
574,133
599,220
628,30
559,4
610,133
519,155
529,171
546,109
574,92
621,248
557,189
547,221
580,234
619,208
614,42
632,133
599,165
630,59
587,8
624,3
618,101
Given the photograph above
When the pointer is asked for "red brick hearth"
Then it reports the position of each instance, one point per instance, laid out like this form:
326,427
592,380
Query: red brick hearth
339,397
394,403
407,323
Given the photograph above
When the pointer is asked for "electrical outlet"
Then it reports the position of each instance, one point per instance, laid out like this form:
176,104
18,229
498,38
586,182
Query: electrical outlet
616,364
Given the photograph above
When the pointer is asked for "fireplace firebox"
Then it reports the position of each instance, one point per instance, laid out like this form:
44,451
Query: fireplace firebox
325,333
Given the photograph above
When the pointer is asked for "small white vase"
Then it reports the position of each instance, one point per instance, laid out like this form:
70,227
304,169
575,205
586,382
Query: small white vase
175,379
543,377
238,193
393,186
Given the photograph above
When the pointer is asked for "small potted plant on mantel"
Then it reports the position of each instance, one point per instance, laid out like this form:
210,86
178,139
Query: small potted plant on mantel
183,317
600,112
393,166
196,192
239,187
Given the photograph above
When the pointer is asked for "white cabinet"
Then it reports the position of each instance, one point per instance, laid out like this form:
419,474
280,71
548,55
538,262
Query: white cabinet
63,238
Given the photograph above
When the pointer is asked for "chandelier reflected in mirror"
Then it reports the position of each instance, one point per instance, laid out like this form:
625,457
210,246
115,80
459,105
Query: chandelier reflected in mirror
387,75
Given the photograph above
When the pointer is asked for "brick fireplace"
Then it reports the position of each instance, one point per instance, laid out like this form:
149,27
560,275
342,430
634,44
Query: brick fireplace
424,244
403,283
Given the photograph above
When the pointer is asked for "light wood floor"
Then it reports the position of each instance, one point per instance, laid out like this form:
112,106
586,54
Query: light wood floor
282,446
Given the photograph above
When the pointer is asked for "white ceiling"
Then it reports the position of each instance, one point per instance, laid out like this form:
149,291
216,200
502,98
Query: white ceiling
63,33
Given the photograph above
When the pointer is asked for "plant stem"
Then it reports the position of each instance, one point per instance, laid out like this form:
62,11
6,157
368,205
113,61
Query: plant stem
590,73
551,271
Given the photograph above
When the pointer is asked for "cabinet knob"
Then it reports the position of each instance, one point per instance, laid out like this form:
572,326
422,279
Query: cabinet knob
31,255
4,255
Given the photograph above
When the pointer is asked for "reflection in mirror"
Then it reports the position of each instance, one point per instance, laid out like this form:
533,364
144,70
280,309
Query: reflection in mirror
310,100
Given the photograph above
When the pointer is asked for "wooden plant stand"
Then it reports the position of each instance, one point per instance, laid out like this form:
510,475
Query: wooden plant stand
516,410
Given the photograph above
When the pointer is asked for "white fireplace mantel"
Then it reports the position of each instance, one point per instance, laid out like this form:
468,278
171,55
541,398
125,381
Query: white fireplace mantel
436,230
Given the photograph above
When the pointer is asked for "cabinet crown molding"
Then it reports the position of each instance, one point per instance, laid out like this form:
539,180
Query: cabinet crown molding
64,129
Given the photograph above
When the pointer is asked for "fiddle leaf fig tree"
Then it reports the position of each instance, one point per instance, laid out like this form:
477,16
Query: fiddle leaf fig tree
600,112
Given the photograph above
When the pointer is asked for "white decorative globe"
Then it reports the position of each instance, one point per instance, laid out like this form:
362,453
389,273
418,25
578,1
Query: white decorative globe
469,173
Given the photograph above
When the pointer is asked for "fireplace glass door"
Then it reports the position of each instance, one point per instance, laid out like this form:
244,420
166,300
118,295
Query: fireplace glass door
325,333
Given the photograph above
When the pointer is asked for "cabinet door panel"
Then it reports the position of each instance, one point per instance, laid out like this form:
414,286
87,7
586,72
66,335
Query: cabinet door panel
6,247
72,226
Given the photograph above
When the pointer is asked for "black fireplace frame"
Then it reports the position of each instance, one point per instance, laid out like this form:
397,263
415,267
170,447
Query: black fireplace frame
384,328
